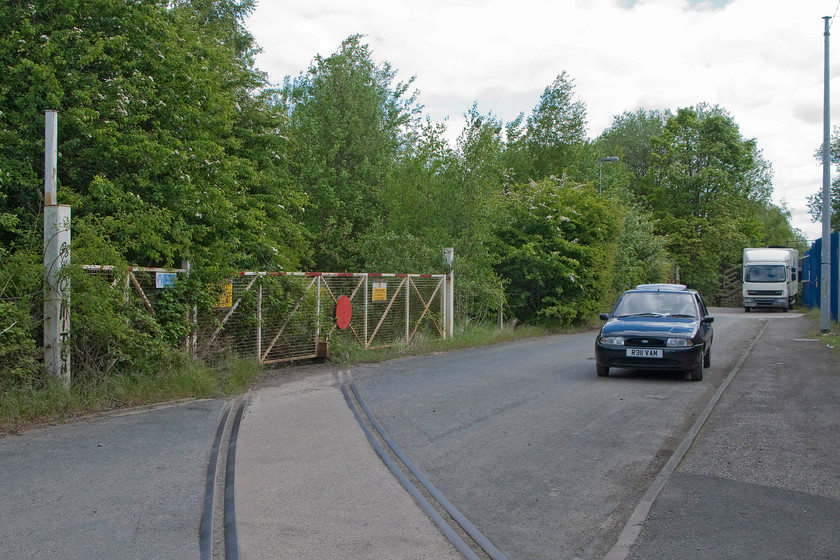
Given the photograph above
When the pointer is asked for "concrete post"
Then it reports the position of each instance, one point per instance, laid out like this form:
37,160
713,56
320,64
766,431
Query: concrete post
56,256
449,264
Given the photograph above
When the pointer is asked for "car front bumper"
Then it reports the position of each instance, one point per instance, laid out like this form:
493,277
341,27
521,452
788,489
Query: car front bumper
672,358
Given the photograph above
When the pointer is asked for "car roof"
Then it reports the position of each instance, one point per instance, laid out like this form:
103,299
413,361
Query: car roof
661,288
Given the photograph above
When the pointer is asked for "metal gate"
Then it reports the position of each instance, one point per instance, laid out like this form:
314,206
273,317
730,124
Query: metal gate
279,317
289,316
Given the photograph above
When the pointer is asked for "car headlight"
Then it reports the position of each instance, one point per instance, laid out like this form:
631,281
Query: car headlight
612,340
679,343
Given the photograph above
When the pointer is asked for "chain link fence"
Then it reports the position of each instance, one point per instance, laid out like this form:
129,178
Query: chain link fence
273,317
290,316
277,317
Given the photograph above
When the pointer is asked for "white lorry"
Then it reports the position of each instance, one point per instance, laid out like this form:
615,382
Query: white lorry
771,278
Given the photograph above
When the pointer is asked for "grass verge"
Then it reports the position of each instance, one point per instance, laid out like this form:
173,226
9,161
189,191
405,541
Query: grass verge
179,377
470,337
22,406
831,338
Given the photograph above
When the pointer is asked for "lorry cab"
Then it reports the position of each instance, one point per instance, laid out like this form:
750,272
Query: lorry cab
771,278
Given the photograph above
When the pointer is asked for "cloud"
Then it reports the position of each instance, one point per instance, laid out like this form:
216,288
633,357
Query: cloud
762,60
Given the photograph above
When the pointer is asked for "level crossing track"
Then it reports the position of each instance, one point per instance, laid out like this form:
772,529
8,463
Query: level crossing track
221,542
463,535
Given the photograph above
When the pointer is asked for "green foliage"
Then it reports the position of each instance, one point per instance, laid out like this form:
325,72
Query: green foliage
815,201
705,176
20,312
642,255
345,131
629,138
557,251
544,145
776,230
111,332
166,149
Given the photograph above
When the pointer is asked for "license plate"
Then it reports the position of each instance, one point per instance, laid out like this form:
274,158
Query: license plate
644,352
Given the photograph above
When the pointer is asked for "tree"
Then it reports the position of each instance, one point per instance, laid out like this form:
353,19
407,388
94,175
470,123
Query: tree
544,145
704,176
167,150
346,129
815,206
557,250
815,201
629,137
776,230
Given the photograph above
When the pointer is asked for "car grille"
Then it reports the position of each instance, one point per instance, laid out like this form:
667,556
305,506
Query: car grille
645,342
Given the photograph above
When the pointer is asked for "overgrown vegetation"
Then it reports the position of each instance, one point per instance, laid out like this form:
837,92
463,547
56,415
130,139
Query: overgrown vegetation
173,148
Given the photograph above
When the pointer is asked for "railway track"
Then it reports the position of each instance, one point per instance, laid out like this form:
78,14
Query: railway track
463,535
217,529
219,541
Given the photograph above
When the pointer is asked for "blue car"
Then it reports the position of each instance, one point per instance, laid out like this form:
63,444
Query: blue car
656,327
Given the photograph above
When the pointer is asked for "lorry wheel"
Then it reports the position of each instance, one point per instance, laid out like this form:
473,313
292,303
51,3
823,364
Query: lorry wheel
746,309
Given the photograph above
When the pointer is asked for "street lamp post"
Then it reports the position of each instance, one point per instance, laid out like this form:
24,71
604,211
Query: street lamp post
610,159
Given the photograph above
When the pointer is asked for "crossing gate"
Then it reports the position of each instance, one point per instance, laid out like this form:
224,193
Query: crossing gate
280,317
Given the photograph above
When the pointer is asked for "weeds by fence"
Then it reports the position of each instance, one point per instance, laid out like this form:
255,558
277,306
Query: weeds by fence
121,314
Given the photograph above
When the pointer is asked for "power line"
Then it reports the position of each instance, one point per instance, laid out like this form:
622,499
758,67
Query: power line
835,14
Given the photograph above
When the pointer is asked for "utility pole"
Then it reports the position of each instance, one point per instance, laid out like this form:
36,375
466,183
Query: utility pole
825,272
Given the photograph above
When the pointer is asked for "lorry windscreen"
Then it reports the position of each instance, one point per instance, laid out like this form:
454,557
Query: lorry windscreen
765,273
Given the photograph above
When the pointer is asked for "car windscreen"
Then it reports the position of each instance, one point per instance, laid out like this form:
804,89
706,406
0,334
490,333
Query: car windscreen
656,304
764,273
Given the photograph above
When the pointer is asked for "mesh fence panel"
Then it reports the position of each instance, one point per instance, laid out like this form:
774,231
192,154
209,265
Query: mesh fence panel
283,317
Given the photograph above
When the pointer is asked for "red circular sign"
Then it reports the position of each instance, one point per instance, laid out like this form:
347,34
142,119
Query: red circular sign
343,312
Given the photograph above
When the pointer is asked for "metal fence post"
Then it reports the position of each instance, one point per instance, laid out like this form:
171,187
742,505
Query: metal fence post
367,302
318,310
259,321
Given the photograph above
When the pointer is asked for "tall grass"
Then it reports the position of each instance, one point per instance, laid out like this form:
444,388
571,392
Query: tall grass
179,378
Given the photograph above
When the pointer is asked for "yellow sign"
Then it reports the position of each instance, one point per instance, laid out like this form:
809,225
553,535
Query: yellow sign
226,296
380,291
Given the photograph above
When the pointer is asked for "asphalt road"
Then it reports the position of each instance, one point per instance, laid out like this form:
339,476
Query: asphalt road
544,457
123,486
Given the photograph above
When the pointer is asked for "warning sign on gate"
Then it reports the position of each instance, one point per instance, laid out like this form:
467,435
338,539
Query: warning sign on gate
226,296
380,291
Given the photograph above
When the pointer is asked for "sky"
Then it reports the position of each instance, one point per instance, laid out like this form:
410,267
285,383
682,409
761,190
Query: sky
761,60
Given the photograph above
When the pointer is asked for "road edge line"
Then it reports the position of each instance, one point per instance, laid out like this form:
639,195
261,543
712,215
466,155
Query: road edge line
634,524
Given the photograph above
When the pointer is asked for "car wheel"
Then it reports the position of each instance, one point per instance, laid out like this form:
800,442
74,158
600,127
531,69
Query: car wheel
697,373
602,371
746,309
707,359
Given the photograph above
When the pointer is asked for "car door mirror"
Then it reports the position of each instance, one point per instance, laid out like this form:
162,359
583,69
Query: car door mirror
605,316
708,319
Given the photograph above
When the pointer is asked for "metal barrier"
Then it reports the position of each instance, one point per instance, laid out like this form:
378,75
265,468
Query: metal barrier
289,316
279,317
812,271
